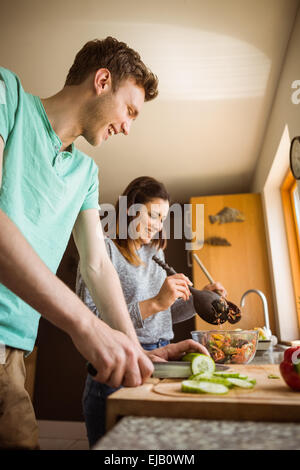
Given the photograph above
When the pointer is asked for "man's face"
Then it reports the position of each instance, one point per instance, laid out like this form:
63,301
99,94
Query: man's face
111,113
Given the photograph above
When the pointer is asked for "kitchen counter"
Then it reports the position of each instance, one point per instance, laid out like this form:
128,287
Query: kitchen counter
198,434
274,355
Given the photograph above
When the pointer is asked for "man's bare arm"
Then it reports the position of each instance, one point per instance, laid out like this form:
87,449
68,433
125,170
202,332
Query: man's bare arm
113,354
24,273
99,273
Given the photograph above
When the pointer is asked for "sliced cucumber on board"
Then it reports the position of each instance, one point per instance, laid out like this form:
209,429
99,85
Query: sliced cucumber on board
227,374
205,378
200,363
192,386
242,383
211,378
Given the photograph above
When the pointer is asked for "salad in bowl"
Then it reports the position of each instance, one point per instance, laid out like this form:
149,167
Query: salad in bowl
229,347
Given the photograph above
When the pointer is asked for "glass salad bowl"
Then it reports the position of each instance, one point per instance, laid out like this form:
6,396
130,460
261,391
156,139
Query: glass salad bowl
229,347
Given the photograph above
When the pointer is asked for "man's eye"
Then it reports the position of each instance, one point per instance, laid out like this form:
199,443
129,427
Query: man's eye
131,114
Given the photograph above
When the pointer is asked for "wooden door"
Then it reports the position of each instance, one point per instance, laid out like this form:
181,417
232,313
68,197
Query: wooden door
241,266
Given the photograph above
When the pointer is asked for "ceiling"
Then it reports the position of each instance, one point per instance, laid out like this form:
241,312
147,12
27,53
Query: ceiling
218,64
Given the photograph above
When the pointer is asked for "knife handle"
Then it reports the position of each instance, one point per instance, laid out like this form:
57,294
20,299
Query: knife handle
91,369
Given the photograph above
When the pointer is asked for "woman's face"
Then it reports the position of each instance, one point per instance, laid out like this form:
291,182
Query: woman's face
151,219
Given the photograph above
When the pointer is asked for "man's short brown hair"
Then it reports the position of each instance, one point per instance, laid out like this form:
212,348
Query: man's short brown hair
122,62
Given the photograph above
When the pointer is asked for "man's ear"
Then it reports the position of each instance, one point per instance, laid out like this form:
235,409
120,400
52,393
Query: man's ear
102,81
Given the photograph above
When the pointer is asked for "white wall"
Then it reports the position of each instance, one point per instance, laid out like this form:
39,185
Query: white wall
284,111
218,63
272,166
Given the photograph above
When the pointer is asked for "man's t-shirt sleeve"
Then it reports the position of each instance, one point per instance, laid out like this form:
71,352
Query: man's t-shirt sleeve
9,90
92,197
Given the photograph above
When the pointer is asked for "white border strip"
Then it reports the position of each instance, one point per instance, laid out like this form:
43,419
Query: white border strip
2,92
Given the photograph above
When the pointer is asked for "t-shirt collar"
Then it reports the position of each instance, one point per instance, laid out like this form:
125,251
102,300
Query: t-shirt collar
57,143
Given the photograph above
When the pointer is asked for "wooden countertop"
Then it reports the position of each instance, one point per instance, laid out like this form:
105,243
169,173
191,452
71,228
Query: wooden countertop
269,400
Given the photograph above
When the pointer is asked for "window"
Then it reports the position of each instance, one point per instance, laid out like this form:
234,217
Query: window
296,197
291,207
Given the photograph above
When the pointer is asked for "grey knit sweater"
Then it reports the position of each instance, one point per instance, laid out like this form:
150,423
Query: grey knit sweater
142,283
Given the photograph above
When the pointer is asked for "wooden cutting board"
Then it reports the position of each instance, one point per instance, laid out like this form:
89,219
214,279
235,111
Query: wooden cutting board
265,387
269,400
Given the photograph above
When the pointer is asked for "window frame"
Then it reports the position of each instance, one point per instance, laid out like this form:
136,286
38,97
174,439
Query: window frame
293,236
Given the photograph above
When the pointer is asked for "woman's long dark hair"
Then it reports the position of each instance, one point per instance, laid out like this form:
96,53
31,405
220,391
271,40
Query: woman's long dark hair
140,191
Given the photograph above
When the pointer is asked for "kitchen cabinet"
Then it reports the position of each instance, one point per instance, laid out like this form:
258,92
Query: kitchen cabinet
241,266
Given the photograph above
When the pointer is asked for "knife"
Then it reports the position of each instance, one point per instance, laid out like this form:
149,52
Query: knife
167,370
177,369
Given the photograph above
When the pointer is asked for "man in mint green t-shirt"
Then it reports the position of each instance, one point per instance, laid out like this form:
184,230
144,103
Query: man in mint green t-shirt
48,189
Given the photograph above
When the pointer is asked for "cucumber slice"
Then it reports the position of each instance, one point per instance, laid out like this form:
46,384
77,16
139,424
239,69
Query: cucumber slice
241,383
203,363
203,376
200,363
210,378
189,357
234,375
192,386
227,374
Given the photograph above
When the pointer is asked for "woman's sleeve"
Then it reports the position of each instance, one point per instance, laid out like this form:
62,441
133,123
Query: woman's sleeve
133,308
84,294
182,310
135,314
82,290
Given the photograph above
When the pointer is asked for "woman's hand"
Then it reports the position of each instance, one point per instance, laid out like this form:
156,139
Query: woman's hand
175,351
174,286
217,286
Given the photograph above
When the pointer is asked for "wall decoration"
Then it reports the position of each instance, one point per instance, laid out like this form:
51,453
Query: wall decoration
217,241
227,215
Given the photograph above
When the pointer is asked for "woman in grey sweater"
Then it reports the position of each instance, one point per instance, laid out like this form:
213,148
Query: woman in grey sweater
155,301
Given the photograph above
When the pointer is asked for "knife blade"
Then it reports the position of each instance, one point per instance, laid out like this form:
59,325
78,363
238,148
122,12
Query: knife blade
177,369
167,370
